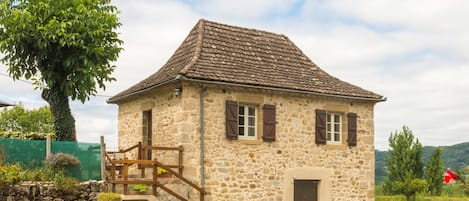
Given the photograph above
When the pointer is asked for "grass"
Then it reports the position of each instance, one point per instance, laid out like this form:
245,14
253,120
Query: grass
420,198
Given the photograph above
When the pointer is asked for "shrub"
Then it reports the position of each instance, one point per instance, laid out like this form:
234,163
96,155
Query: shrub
9,174
390,198
38,174
142,188
65,183
62,161
109,197
161,171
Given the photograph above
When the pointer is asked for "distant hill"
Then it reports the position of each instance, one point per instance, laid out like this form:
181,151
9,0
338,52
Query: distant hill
454,157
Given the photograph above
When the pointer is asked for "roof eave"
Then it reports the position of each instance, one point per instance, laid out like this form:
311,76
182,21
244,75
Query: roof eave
118,99
183,78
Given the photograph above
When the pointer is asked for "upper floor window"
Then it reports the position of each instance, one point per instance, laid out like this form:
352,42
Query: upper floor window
247,117
243,121
334,128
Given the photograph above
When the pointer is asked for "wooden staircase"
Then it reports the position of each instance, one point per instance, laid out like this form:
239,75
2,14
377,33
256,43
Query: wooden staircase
119,167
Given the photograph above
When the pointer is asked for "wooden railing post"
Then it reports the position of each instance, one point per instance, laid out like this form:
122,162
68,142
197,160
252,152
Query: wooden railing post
125,170
113,177
155,177
140,151
140,156
103,158
181,150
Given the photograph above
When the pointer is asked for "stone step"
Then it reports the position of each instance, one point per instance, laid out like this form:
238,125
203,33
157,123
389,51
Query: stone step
138,198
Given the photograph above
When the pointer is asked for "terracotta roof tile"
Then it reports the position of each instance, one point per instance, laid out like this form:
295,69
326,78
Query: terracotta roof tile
219,52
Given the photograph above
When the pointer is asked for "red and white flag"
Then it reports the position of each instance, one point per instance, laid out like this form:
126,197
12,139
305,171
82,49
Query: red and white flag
450,177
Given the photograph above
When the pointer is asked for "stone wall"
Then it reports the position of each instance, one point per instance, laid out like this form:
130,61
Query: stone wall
253,169
36,191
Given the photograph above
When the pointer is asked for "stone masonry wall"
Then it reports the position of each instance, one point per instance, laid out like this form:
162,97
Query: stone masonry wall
253,169
32,191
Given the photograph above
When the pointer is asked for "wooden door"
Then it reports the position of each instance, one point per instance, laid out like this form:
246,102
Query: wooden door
147,133
305,190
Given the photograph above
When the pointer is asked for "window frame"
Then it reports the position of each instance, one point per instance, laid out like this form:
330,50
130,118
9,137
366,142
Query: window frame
330,128
246,116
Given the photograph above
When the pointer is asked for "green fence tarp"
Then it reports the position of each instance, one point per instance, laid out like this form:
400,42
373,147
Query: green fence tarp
32,153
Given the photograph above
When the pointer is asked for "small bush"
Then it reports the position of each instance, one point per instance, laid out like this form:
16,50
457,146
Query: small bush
161,171
109,197
142,188
65,183
9,174
38,174
62,161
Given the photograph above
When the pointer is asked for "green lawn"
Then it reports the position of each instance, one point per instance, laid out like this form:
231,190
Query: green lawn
402,198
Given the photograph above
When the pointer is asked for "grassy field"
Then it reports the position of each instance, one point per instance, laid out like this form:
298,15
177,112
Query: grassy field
402,198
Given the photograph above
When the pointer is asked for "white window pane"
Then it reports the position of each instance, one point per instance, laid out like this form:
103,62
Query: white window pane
328,127
241,120
336,127
336,118
241,130
329,136
329,118
241,110
252,121
252,111
251,131
336,136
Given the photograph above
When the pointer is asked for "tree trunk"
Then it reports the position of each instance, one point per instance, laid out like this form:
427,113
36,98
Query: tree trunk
64,123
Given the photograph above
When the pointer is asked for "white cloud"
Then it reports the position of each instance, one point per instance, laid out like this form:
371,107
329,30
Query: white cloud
244,9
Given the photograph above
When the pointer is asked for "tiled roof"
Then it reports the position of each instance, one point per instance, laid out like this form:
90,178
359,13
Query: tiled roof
230,54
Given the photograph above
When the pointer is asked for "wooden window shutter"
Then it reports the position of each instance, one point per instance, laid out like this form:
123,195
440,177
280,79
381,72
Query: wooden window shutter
231,120
320,126
269,123
352,129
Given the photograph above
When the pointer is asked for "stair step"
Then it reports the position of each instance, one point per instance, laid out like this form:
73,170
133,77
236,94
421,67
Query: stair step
138,197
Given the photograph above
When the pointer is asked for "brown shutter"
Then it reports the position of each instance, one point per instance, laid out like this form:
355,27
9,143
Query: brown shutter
352,129
320,126
269,123
231,120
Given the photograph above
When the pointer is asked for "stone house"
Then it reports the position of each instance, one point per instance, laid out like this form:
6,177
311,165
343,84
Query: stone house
257,118
4,104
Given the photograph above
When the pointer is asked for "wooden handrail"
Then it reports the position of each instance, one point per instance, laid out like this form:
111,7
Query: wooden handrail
171,192
156,148
201,190
122,165
128,149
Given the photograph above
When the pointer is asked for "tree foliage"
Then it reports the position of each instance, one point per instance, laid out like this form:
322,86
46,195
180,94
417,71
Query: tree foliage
65,47
20,119
404,164
433,173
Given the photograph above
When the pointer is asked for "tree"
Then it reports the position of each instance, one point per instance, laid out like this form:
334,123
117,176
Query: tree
19,122
65,47
434,173
404,164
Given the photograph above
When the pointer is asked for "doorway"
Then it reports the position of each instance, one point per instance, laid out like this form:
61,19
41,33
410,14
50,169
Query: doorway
305,190
147,134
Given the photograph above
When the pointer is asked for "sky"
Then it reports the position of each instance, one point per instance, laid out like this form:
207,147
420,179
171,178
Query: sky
412,52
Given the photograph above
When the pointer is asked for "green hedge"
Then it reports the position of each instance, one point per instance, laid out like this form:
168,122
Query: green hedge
26,136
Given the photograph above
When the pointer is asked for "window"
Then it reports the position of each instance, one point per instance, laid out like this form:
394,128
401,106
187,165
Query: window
334,128
242,120
247,122
329,128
